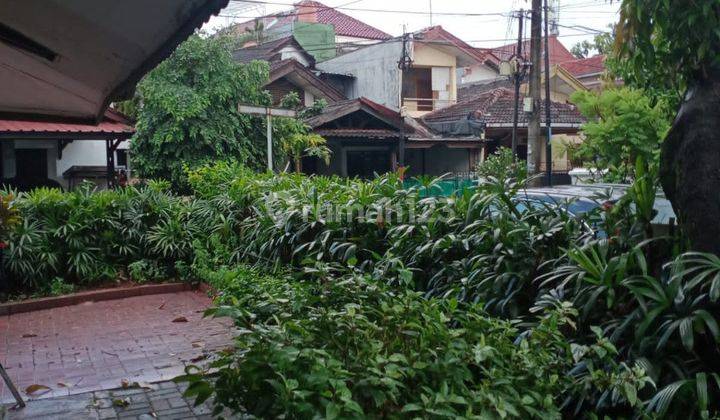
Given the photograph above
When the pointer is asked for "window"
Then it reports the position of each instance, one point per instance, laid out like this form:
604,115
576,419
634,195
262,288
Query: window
121,157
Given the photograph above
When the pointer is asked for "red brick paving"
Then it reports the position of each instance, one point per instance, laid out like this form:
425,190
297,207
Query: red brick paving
95,345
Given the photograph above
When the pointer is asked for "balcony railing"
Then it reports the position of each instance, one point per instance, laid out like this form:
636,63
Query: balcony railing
426,104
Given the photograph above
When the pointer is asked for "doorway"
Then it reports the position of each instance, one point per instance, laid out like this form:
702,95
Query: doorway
366,163
31,164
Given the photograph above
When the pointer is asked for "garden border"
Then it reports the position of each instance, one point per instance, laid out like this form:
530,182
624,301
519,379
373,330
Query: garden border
31,305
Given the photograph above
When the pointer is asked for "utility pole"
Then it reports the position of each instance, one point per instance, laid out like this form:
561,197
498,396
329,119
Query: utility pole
404,64
518,76
535,145
548,122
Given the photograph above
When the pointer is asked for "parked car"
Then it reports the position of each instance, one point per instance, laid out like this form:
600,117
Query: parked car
581,199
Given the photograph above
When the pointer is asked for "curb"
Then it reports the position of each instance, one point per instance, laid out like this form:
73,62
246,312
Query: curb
91,296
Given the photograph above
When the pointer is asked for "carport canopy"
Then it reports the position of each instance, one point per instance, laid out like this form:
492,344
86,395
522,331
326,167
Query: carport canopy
72,58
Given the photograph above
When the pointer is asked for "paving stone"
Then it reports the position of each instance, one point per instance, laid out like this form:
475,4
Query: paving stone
89,406
95,345
106,413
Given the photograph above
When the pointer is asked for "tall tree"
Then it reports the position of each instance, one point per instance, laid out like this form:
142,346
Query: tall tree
188,112
677,42
601,44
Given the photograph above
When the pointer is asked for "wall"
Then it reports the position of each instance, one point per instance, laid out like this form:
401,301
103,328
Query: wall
439,160
77,153
281,87
85,153
426,56
478,73
292,52
377,76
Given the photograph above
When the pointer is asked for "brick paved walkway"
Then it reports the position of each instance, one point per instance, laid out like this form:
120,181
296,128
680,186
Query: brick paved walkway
164,401
94,346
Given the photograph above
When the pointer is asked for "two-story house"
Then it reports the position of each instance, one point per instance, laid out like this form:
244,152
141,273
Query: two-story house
428,84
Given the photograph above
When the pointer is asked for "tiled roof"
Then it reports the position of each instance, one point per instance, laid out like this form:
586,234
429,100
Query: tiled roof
496,107
267,51
373,133
558,52
285,67
340,108
313,11
585,66
438,34
467,91
112,124
344,24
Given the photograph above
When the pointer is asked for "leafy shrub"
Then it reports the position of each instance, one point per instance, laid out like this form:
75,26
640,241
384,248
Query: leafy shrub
145,270
503,165
85,236
486,250
58,287
352,349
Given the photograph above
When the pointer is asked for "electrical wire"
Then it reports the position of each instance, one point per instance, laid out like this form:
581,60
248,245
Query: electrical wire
315,9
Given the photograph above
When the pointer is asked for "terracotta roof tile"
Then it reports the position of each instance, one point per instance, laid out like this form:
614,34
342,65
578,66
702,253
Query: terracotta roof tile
282,68
585,66
317,12
558,52
113,123
467,91
373,133
496,107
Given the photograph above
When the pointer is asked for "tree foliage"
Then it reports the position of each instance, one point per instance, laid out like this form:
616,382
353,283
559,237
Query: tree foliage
623,125
674,46
602,43
189,111
670,41
300,145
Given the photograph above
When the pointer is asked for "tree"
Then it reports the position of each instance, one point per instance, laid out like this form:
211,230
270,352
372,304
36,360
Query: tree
296,142
677,43
300,145
622,126
188,112
601,44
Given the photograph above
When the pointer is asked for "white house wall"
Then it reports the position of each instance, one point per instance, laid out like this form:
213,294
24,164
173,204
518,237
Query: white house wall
377,76
478,73
292,52
84,153
77,153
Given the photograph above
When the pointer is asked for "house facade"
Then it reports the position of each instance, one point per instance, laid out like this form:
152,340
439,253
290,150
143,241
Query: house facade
430,82
58,153
367,138
442,113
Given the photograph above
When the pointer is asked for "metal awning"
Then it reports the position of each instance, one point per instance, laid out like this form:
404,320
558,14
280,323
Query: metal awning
72,58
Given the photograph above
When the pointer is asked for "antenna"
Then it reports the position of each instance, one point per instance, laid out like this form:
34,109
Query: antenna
431,20
553,17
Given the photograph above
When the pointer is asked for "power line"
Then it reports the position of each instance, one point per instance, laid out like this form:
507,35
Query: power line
357,9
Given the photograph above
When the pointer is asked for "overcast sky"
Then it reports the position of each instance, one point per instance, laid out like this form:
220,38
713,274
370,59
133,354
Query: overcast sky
482,31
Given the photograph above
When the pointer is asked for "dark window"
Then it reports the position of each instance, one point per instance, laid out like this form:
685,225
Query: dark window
121,157
366,163
31,164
